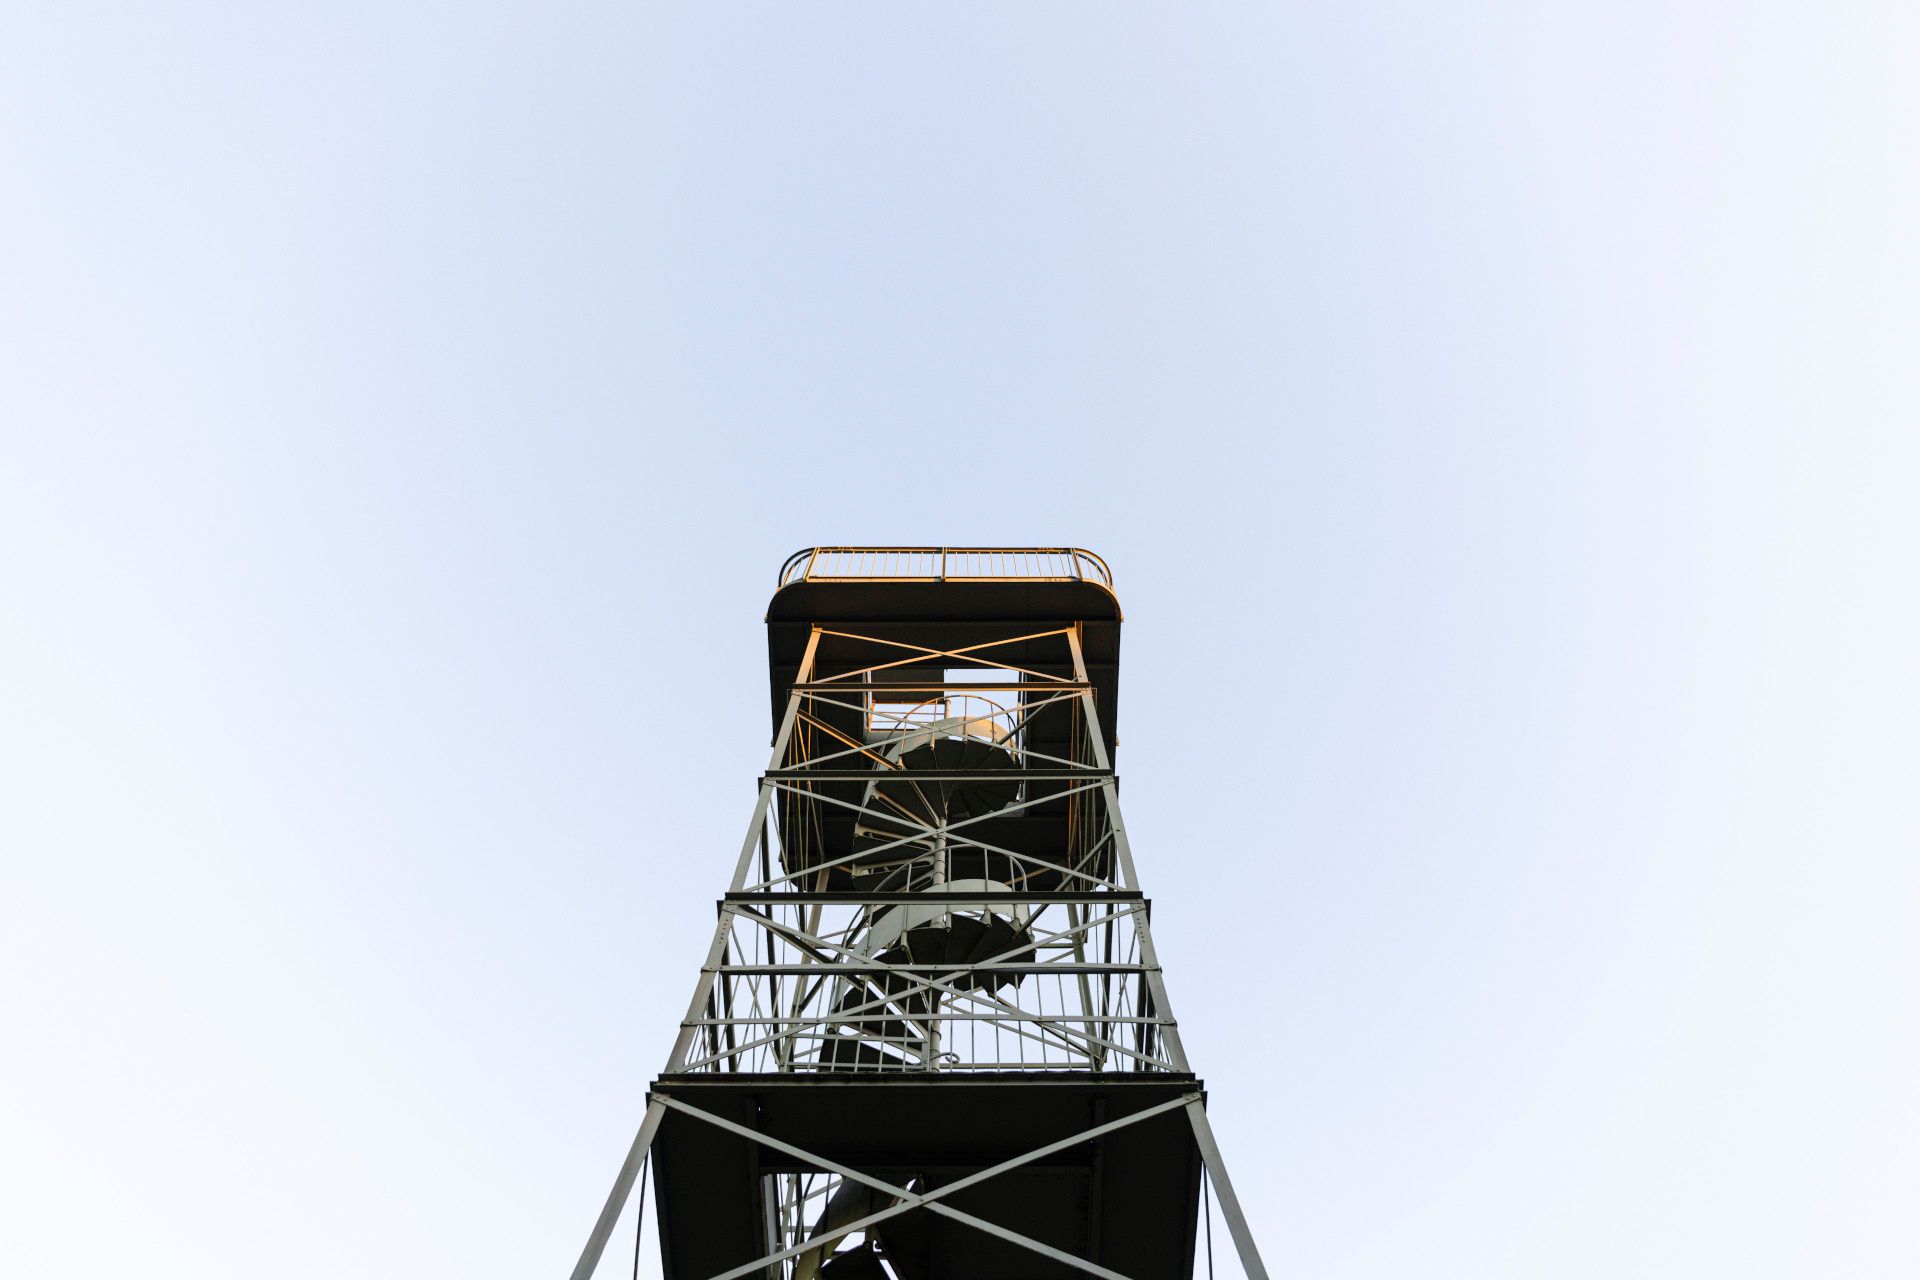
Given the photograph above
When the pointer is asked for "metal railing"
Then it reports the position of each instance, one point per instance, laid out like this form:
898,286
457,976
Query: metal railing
945,564
802,988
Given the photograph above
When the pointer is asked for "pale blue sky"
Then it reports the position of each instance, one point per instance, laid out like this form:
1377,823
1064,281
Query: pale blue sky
1500,420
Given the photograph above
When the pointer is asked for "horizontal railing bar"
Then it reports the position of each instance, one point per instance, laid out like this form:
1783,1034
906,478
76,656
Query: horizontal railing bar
809,1066
842,966
936,564
895,898
700,1081
1031,686
939,775
806,1026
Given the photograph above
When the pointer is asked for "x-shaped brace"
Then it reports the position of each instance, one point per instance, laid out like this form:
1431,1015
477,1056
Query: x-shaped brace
929,1200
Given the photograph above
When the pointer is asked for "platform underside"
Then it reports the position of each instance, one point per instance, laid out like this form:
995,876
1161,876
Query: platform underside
1126,1199
948,615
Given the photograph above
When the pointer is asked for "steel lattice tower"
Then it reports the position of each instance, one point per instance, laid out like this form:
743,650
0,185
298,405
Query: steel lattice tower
932,1037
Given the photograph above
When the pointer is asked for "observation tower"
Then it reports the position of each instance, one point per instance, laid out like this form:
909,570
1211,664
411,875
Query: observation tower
932,1038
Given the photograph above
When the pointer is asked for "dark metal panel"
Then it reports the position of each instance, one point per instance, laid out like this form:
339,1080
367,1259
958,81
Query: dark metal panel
939,1130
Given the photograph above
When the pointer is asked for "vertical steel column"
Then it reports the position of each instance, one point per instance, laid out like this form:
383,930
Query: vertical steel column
1123,852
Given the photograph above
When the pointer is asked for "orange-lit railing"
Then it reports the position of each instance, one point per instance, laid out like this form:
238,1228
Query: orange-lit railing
945,564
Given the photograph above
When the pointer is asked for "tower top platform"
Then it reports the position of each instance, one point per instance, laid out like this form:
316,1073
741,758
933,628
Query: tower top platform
992,584
947,599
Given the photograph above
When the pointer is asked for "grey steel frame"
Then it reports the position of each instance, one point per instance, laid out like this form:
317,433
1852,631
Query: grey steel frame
817,958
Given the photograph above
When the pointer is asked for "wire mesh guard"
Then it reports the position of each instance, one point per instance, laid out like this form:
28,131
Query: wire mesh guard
891,931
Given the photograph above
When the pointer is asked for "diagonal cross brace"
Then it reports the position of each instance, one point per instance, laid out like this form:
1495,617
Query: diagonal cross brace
910,1200
969,653
816,946
788,785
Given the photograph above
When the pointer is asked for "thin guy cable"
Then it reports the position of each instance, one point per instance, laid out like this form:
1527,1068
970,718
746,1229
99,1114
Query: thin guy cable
1206,1193
640,1218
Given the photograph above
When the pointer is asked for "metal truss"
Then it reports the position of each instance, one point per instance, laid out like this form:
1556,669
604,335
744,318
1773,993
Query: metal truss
864,831
899,1200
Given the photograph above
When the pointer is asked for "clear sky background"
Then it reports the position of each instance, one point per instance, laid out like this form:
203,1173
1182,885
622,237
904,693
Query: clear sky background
1500,419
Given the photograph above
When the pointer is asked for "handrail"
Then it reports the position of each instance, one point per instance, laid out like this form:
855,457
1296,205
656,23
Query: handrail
945,564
